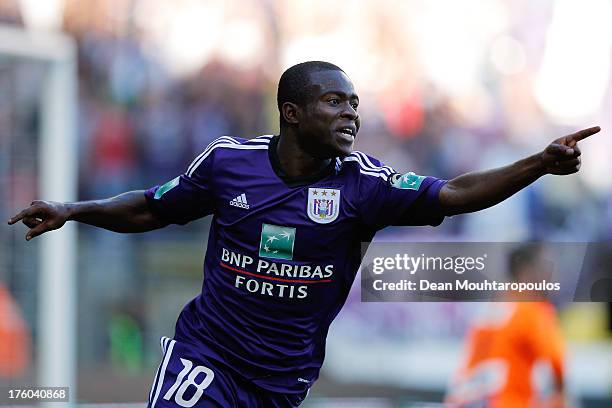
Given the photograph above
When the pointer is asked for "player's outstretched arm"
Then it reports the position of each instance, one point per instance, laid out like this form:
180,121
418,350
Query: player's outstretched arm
479,190
127,212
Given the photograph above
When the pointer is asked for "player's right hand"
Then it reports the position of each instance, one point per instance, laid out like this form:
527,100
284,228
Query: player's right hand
41,217
562,156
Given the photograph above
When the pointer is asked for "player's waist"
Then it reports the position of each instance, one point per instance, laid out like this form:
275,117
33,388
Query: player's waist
251,334
278,372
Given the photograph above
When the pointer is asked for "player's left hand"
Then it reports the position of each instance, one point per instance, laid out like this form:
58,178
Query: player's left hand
562,156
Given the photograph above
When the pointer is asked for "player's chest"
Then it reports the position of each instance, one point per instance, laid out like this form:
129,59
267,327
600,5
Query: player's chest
281,218
313,205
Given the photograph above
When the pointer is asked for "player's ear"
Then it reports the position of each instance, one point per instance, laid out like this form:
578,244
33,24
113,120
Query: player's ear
291,112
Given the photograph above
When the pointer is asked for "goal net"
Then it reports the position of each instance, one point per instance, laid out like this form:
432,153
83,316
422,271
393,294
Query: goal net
38,159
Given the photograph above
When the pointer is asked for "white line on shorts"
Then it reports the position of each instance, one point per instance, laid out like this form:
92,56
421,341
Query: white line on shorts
160,384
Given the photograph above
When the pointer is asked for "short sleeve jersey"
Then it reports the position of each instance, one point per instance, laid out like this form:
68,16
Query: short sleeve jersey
282,254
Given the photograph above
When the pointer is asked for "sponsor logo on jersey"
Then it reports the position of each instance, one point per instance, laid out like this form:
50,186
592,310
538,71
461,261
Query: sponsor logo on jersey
323,205
408,181
240,202
276,242
274,278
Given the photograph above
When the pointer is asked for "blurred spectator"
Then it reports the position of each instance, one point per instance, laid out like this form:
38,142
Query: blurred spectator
10,12
506,344
15,353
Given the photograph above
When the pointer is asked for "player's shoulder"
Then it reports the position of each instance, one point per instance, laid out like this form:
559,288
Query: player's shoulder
232,146
364,166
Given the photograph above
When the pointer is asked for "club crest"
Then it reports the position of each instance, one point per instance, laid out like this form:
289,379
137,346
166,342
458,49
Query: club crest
323,204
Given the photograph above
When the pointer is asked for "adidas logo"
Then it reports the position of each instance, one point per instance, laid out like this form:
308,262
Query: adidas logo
240,202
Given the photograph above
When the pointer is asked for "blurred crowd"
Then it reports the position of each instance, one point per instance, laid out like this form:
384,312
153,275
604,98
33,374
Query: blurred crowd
157,83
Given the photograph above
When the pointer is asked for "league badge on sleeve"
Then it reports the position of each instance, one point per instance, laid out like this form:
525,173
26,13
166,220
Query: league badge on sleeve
323,204
408,181
166,187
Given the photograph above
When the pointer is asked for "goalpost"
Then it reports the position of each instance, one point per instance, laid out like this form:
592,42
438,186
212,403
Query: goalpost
57,181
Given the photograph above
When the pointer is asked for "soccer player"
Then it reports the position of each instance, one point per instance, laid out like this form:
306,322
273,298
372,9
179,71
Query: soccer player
289,215
506,343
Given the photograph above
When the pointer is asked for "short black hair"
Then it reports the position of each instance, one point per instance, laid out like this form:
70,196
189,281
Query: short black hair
293,85
524,255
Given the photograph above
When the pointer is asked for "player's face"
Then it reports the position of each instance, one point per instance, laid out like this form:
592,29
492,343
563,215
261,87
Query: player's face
330,121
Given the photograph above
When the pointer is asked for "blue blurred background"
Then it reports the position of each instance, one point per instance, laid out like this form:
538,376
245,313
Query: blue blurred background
445,86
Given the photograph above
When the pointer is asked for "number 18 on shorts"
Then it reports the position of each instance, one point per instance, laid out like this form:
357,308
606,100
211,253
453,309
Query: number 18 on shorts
187,379
181,381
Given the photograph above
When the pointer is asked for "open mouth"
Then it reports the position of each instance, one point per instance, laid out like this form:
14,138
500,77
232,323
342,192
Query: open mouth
347,132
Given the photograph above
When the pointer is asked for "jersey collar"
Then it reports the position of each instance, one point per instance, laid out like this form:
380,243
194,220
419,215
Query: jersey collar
295,181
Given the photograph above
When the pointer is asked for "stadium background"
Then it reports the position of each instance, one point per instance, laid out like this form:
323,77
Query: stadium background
445,86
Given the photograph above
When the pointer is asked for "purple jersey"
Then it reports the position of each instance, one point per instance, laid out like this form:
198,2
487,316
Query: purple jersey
282,253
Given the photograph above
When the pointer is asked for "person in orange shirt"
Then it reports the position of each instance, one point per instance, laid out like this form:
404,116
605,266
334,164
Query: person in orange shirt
15,344
504,347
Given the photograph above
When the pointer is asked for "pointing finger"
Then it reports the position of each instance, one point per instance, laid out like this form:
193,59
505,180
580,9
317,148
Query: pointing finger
583,134
19,216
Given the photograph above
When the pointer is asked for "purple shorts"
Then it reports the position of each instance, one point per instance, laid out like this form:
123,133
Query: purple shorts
187,379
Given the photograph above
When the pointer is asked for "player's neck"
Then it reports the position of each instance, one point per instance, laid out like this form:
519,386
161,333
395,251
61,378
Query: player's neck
295,161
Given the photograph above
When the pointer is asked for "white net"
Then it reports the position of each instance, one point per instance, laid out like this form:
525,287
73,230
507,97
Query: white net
37,159
20,83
